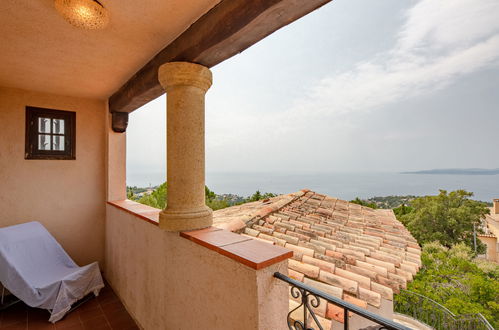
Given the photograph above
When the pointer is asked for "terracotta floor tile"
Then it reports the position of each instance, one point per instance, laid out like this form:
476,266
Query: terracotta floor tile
103,326
113,307
38,314
16,326
76,326
91,304
95,314
122,322
69,320
132,327
89,313
96,323
40,325
14,316
107,298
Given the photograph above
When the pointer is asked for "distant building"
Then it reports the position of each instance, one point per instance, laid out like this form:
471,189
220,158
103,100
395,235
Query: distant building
491,232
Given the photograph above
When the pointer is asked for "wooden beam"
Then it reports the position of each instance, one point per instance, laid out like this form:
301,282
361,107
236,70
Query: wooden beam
119,121
226,30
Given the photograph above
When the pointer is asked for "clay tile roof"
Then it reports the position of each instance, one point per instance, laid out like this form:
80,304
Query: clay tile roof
351,251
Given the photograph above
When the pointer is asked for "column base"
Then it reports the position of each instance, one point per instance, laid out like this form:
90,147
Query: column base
183,220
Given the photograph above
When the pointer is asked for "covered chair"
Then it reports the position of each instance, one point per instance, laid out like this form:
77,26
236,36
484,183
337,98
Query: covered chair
37,270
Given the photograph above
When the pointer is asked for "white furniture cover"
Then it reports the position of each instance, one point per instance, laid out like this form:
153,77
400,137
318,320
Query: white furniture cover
36,269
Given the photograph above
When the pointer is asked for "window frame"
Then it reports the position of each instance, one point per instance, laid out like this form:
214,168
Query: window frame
32,133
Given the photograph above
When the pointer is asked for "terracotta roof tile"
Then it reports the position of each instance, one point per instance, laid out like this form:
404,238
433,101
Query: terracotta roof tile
355,301
394,285
251,232
264,230
301,237
309,270
335,261
329,289
276,240
363,281
399,279
373,261
287,238
300,249
259,239
361,271
346,284
410,267
325,323
338,247
296,275
330,241
371,297
403,273
384,291
334,312
378,269
322,264
316,247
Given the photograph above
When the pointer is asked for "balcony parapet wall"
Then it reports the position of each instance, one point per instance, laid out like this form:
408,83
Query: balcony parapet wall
209,278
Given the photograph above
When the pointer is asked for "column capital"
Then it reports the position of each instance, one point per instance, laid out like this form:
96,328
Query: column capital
184,74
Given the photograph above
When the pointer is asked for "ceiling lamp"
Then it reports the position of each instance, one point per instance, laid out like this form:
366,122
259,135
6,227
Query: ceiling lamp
86,14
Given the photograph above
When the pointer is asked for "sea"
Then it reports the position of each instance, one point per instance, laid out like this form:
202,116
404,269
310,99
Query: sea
344,185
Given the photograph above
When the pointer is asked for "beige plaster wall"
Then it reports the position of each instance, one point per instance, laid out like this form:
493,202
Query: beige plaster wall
492,252
169,282
115,163
66,196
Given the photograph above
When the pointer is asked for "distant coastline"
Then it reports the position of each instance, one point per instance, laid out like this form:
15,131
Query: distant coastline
458,171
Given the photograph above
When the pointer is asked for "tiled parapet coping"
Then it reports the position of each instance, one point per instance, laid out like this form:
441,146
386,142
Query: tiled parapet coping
145,212
247,251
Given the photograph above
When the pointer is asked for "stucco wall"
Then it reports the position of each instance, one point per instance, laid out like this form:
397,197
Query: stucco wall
492,253
66,196
169,282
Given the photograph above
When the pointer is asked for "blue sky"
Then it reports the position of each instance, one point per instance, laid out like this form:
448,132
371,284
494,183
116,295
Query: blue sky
384,85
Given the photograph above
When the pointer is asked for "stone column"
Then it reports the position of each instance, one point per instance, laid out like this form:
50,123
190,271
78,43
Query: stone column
185,85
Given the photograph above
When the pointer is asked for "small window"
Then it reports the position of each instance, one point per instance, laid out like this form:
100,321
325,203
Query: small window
50,134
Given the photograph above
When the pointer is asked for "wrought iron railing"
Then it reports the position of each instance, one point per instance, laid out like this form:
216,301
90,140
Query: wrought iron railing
435,315
310,298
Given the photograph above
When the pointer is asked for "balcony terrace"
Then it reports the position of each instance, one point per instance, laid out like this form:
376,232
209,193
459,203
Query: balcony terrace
165,269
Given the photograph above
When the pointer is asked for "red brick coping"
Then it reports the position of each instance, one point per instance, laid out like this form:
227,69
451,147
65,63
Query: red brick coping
248,251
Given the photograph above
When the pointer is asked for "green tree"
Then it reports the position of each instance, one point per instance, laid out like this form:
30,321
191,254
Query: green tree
452,278
129,193
448,218
402,210
213,202
157,198
209,195
257,196
362,202
159,195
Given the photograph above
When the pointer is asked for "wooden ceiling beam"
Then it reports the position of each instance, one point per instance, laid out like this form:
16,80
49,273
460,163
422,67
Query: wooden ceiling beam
226,30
